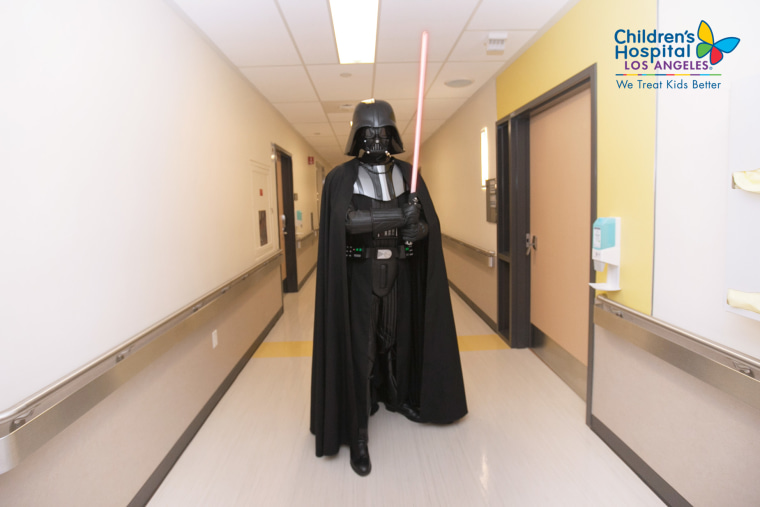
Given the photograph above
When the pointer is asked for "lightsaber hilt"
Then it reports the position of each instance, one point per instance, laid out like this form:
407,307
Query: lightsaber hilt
412,200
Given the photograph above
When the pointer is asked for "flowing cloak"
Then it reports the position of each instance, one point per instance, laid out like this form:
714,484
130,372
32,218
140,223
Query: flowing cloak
440,387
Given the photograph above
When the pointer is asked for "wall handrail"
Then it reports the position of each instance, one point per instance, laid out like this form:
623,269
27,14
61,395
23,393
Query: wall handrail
303,236
22,413
300,236
722,367
489,254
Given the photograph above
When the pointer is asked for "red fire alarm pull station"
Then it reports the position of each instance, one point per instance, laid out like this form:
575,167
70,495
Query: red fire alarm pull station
261,191
311,160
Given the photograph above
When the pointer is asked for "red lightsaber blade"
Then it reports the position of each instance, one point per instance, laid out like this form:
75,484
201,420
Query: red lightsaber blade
420,94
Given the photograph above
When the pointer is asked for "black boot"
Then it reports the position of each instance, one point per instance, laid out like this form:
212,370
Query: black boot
360,454
406,410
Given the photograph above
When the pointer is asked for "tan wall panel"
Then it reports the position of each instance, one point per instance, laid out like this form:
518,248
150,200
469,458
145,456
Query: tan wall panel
306,257
702,441
106,456
472,276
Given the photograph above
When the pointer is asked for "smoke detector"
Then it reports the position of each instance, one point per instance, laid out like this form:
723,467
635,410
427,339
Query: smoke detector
496,43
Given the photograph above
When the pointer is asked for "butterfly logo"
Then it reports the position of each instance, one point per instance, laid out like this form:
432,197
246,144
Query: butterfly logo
708,44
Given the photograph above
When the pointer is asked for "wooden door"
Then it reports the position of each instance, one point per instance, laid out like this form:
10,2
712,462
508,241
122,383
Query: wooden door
560,218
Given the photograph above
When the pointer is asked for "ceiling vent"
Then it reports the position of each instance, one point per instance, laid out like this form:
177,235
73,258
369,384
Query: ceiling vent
497,41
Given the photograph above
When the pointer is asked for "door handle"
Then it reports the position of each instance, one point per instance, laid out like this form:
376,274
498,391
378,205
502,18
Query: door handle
531,242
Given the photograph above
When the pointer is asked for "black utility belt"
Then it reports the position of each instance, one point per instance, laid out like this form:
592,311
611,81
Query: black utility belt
365,252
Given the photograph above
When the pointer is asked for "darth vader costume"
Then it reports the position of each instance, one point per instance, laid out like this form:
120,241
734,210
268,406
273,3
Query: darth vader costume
383,325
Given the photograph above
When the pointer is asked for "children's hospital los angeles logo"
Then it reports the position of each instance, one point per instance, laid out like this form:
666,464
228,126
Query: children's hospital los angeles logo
682,60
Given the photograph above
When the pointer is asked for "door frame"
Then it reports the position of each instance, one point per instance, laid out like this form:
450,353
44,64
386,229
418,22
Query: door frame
513,188
285,194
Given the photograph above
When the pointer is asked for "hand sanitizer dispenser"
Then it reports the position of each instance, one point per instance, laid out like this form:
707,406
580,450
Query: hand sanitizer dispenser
605,251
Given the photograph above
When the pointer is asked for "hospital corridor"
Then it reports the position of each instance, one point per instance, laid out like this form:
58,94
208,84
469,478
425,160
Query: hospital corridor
416,253
255,448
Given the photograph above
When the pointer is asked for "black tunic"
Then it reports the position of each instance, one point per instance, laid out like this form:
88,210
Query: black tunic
435,373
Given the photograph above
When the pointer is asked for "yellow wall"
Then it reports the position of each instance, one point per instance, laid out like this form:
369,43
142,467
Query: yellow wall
625,123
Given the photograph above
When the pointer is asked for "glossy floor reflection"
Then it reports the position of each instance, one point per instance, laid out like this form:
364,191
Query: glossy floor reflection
523,443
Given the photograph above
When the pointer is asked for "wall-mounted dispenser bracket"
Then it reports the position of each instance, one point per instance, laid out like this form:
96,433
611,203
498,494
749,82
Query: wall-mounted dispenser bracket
605,251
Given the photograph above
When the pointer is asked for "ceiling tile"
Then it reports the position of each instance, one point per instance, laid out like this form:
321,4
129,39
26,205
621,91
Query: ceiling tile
404,109
281,84
428,127
240,29
331,86
341,130
408,137
311,26
322,129
302,112
403,21
472,46
286,48
440,109
340,117
322,141
401,80
478,72
516,14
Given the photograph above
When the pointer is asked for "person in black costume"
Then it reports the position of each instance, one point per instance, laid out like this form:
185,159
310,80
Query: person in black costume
383,325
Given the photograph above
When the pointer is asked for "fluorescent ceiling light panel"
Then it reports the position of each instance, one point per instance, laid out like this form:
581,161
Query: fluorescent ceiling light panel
355,25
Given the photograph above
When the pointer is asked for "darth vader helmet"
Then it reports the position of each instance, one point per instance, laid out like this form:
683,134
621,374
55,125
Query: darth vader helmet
373,129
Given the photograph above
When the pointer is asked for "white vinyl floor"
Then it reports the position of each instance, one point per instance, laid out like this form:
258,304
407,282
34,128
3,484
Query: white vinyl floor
523,443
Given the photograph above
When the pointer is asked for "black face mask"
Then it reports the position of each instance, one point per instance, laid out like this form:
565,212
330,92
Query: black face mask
375,143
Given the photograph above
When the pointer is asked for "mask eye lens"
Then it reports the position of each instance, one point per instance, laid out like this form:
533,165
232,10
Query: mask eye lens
381,132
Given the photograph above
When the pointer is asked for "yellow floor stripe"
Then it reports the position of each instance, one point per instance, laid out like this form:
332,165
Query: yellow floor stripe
303,348
284,349
477,342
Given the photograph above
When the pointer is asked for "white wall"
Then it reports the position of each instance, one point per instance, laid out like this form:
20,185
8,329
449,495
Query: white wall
126,157
450,165
693,169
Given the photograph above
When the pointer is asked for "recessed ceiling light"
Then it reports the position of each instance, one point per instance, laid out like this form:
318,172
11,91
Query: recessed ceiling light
458,83
355,27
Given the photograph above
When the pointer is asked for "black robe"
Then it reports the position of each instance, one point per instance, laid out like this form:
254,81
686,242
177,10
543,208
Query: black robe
440,387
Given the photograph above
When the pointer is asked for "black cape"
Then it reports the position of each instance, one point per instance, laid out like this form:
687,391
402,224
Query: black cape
440,388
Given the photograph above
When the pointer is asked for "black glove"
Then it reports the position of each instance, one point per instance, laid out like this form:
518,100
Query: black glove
415,228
